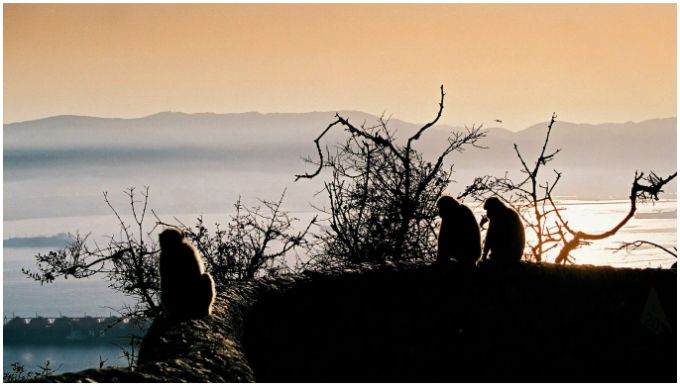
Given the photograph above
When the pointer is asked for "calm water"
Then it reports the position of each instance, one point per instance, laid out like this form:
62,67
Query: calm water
600,216
23,297
63,358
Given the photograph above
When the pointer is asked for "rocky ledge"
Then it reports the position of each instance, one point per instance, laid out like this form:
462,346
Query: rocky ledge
422,322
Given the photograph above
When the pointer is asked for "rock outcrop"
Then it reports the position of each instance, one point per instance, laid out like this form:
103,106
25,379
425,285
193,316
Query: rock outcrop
421,322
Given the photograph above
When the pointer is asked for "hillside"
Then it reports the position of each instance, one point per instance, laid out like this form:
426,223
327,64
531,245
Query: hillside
424,323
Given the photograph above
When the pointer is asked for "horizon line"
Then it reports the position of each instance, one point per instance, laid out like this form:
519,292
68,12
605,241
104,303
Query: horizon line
313,112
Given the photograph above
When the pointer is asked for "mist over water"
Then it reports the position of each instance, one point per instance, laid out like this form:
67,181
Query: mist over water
56,169
58,189
201,163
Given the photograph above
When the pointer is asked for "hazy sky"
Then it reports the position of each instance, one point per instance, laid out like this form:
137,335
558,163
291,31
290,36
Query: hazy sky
518,63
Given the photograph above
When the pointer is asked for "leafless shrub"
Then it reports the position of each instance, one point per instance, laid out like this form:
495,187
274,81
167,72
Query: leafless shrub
128,260
18,373
382,193
539,211
255,240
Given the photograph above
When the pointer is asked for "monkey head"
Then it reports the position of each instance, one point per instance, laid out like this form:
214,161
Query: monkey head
170,236
447,206
493,206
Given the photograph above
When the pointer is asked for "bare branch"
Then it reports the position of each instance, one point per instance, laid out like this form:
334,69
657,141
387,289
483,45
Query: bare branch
639,243
318,148
417,135
638,191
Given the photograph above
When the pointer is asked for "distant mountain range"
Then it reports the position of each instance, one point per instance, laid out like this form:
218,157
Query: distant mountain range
597,160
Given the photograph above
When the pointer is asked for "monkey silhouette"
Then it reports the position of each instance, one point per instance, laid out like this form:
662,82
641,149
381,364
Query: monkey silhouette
187,291
459,237
505,238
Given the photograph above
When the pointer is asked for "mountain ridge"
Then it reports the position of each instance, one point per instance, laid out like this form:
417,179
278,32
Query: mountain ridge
166,114
596,160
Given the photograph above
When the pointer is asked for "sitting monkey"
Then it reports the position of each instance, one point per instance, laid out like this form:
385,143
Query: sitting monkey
459,236
187,291
505,237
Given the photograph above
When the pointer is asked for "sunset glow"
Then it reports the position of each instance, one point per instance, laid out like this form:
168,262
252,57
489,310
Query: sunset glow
516,63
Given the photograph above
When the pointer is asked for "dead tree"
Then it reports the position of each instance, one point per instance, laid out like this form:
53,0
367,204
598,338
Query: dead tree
529,197
382,192
539,211
639,191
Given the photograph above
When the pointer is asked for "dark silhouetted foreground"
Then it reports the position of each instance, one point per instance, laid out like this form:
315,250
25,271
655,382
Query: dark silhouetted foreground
421,322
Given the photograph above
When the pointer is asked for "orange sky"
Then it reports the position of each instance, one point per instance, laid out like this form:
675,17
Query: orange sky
518,63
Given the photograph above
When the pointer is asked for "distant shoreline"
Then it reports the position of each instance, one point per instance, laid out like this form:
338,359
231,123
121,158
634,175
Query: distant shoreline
40,331
59,240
